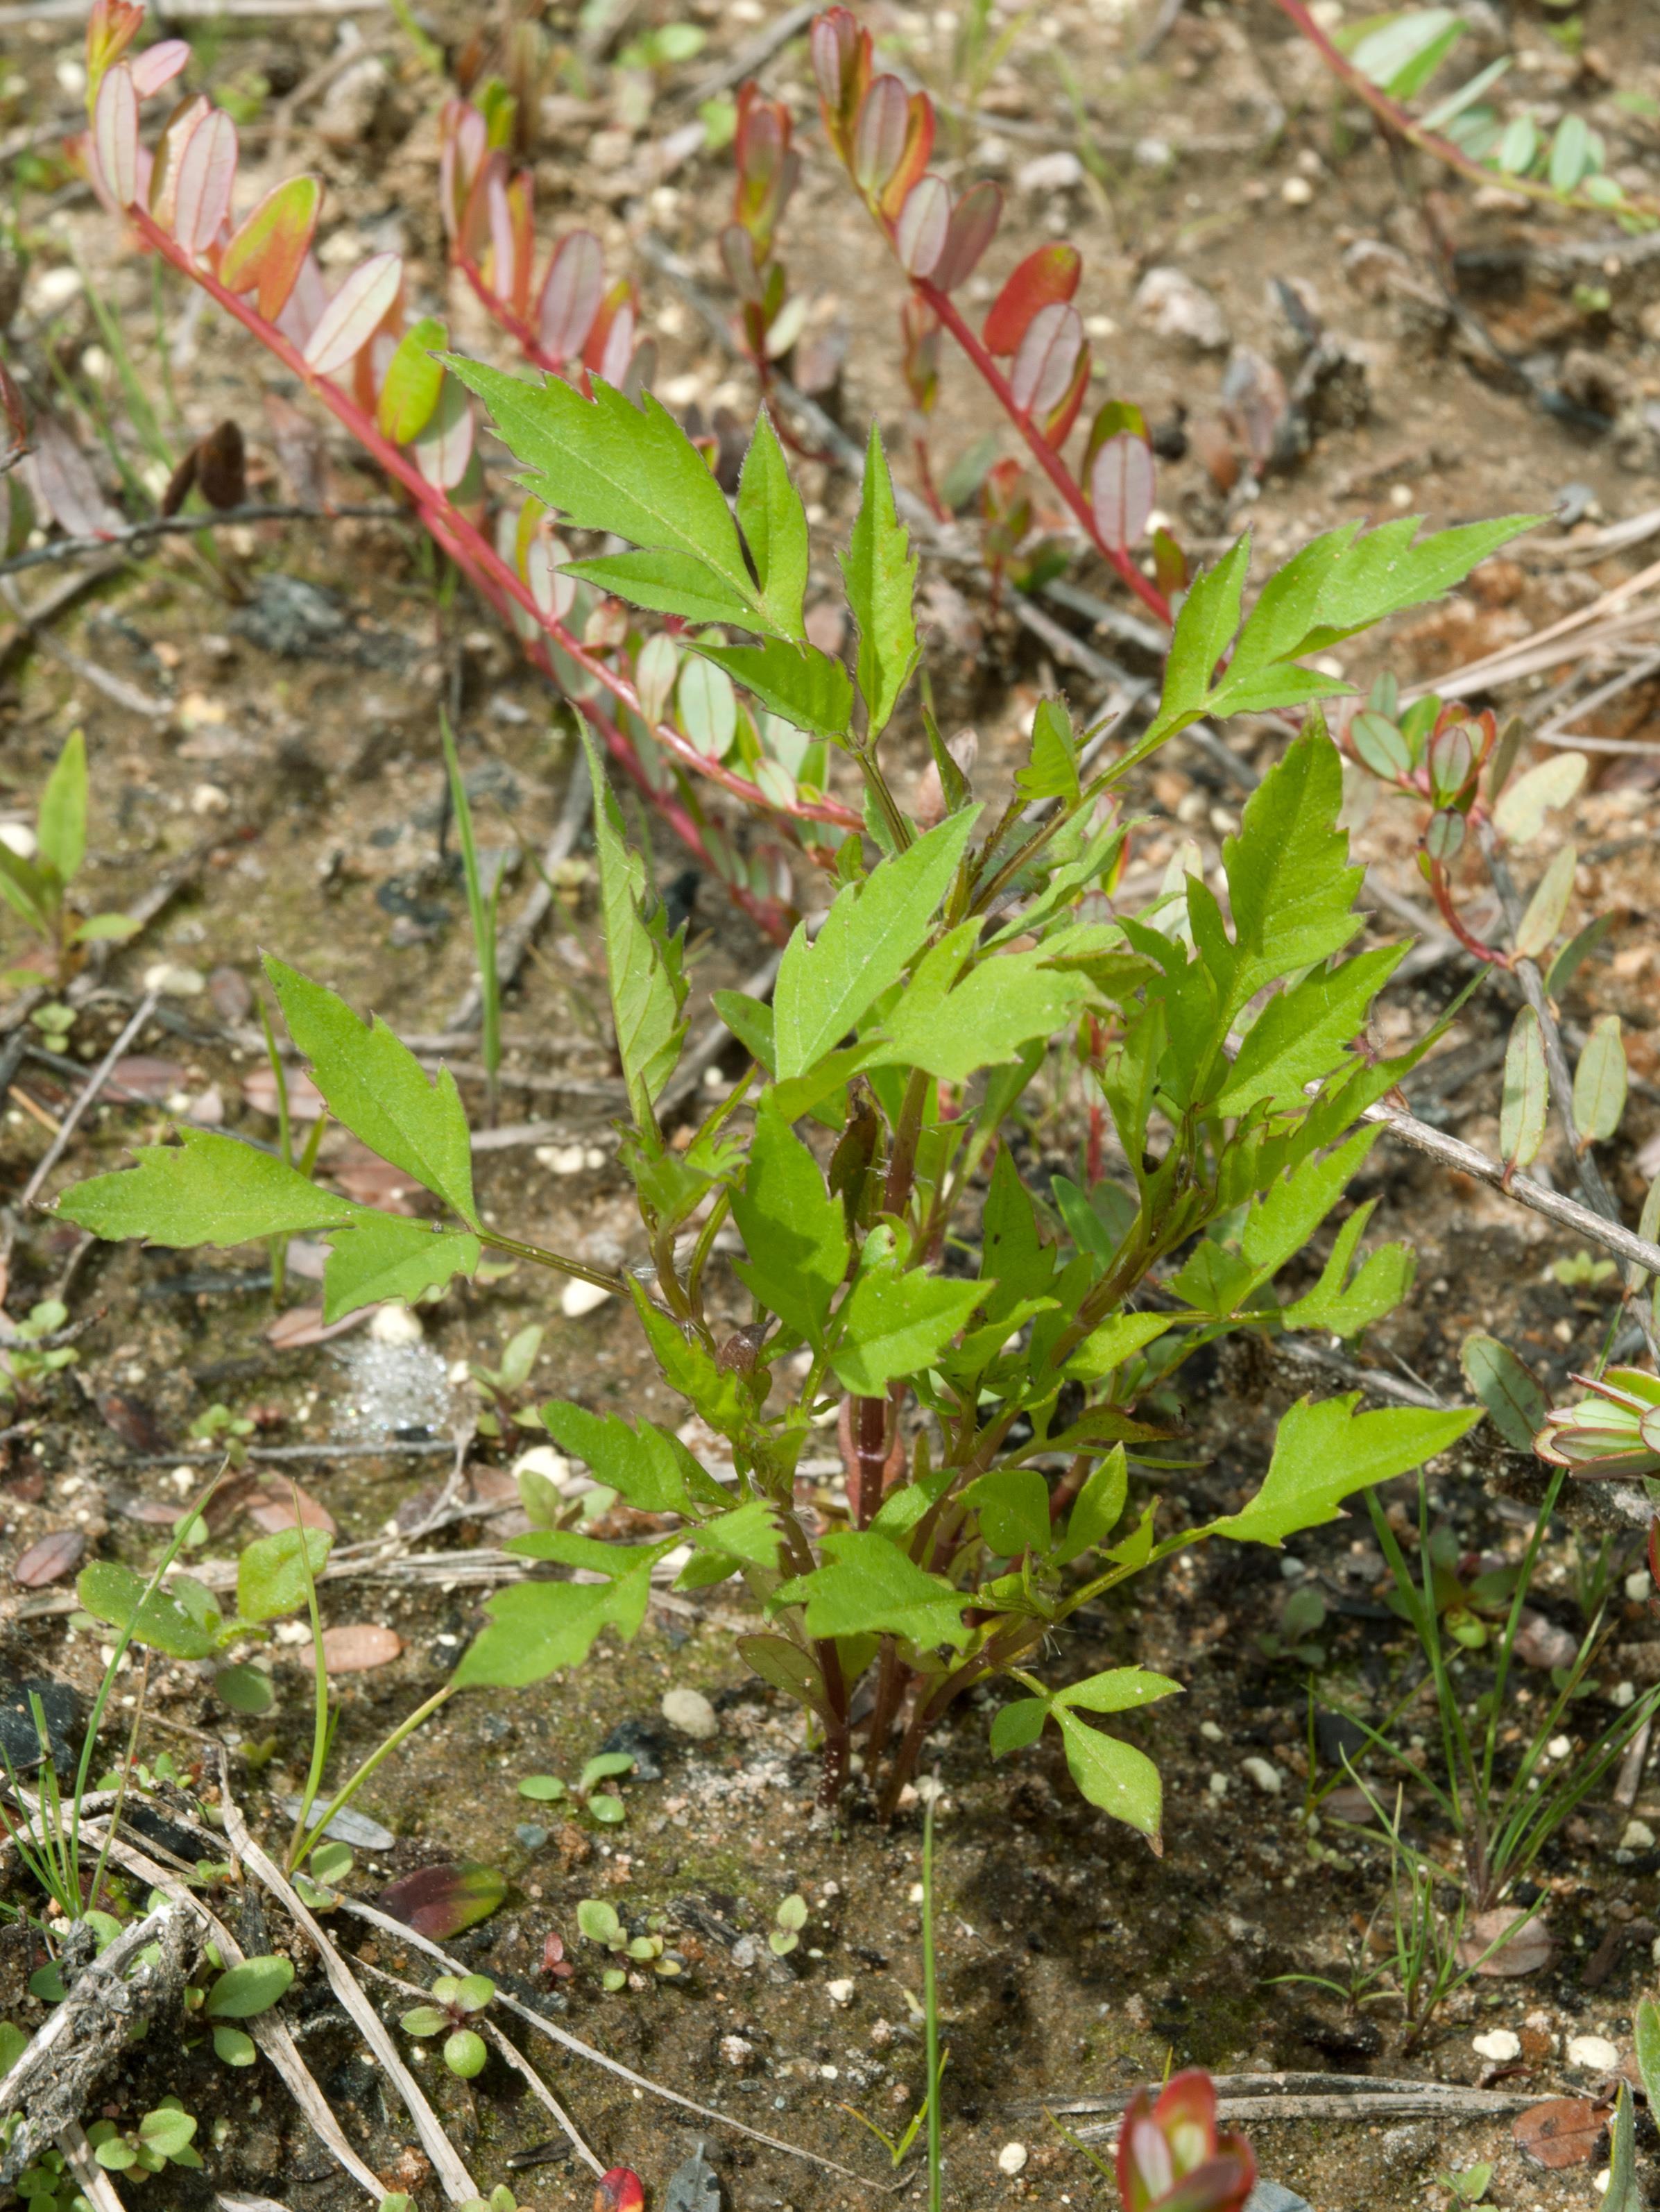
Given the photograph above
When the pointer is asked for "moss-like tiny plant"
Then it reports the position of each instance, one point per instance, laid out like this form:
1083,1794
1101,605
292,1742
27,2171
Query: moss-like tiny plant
598,1921
457,1998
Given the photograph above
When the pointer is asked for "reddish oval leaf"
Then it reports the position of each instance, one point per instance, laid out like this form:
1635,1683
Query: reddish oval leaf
355,313
358,1646
502,267
1523,1953
879,134
1047,356
271,1508
60,479
1046,279
974,226
268,246
115,134
544,572
570,294
304,1099
206,172
51,1559
143,1077
619,2191
924,223
304,1326
163,195
1561,2132
377,1182
158,65
1121,490
440,1901
445,446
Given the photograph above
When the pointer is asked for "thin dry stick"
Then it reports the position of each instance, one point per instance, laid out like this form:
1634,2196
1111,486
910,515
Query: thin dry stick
104,1973
90,2178
57,549
270,2031
1521,658
458,2184
515,2057
574,2043
1567,1212
95,1082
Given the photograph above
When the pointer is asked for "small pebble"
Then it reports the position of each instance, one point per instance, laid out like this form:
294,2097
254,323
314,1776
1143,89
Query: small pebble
1267,1778
175,982
396,1324
1623,1694
1011,2159
543,1460
736,2052
1218,1785
688,1712
1594,2054
1296,192
561,1159
839,1993
578,1298
1210,1732
1638,1585
18,837
1499,2044
1637,1837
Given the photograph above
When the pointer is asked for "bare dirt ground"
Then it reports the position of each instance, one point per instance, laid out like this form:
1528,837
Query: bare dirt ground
266,721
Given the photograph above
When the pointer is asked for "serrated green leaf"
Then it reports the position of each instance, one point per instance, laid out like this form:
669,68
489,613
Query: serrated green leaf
1346,1307
392,1256
895,1323
1383,572
207,1189
794,1230
271,1579
1525,1106
60,827
1291,885
1506,1387
805,686
880,571
1116,1340
1114,1775
537,1628
1302,1034
668,582
374,1082
1326,1450
774,526
1204,630
1002,1003
644,963
868,1587
868,937
247,1990
749,1533
1051,765
1599,1083
608,464
649,1469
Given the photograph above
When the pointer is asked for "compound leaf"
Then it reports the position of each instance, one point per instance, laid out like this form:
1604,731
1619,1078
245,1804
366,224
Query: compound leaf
1325,1450
868,1587
880,571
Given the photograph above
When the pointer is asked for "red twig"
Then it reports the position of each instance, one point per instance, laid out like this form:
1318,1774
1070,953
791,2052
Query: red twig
466,545
508,318
1042,452
1441,889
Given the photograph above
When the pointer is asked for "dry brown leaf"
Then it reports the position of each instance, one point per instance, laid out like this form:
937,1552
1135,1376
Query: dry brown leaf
1561,2132
272,1507
377,1182
304,1325
51,1559
355,1647
154,1079
1528,1950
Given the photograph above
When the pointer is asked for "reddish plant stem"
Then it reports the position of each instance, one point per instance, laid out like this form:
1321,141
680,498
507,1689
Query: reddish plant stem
1441,890
466,545
1403,125
508,318
1042,452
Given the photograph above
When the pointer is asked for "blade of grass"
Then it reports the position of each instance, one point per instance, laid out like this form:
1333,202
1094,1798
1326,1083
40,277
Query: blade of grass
481,907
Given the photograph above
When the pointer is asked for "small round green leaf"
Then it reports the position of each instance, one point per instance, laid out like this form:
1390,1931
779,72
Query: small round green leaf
253,1987
465,2053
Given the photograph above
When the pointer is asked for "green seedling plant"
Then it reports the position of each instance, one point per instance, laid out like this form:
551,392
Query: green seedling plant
787,1923
506,1386
1301,1619
37,888
162,2138
598,1923
584,1794
993,1407
28,1352
1469,2185
219,1426
458,1999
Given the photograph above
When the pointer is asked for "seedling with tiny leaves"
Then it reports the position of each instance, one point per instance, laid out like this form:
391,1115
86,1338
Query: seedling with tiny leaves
599,1923
787,1923
37,887
995,1407
585,1793
162,2138
27,1351
456,2000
